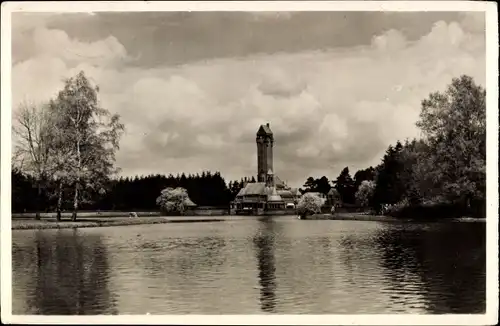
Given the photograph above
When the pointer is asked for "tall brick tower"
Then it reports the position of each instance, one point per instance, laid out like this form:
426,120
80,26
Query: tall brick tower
265,142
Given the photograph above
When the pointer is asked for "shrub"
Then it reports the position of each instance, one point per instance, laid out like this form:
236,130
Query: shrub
365,193
433,208
397,209
173,201
309,204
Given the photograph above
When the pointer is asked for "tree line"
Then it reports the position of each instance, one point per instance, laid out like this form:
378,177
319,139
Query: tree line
441,174
64,159
345,187
127,193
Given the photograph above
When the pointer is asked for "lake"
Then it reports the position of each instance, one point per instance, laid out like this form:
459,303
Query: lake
277,265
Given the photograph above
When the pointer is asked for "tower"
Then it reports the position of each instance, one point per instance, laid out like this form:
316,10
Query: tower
270,178
265,142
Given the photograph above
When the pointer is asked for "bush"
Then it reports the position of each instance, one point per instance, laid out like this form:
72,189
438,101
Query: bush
309,204
365,193
397,209
433,208
172,201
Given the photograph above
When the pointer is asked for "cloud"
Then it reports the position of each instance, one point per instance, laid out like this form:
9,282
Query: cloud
57,44
328,109
473,21
166,38
276,83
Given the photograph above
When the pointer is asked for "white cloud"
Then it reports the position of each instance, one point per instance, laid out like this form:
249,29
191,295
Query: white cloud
56,43
327,109
473,21
392,40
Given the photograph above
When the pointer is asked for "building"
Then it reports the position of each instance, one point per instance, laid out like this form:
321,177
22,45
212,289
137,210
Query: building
269,195
333,198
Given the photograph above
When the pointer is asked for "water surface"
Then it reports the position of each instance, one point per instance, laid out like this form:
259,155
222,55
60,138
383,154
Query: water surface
252,266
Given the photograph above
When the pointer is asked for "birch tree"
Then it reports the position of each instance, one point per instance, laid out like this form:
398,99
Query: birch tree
90,132
61,158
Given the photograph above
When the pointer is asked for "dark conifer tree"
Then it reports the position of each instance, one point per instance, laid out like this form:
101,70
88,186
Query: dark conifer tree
345,186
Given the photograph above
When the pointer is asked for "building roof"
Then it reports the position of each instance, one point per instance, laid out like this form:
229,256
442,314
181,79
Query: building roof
285,193
264,130
253,189
273,196
292,192
279,183
260,189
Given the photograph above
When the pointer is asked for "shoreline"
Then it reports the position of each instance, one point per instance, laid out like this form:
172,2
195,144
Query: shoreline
51,223
96,221
30,224
383,218
86,214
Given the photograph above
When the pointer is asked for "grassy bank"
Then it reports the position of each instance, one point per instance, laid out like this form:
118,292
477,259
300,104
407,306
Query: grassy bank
90,222
83,214
351,217
51,223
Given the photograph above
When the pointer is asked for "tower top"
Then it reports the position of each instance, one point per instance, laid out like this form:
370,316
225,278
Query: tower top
264,130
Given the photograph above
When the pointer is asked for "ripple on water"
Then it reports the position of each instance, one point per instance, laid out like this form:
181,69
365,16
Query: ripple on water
251,266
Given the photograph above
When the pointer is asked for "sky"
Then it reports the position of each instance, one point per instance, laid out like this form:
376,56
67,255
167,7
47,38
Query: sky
192,88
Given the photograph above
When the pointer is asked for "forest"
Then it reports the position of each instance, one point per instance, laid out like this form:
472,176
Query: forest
443,173
124,194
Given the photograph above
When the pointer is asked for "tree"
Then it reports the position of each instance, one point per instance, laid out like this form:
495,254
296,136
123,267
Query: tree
173,200
33,136
365,193
322,185
23,191
362,175
333,198
390,187
309,186
91,133
345,186
61,157
309,203
412,176
454,127
235,187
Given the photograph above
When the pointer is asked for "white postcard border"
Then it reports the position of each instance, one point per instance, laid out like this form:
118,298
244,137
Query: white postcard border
491,316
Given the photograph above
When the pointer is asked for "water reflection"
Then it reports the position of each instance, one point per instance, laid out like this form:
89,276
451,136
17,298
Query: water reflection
448,260
346,255
70,275
264,242
252,266
178,256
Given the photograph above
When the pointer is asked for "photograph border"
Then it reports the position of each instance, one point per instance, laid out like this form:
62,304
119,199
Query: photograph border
490,9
